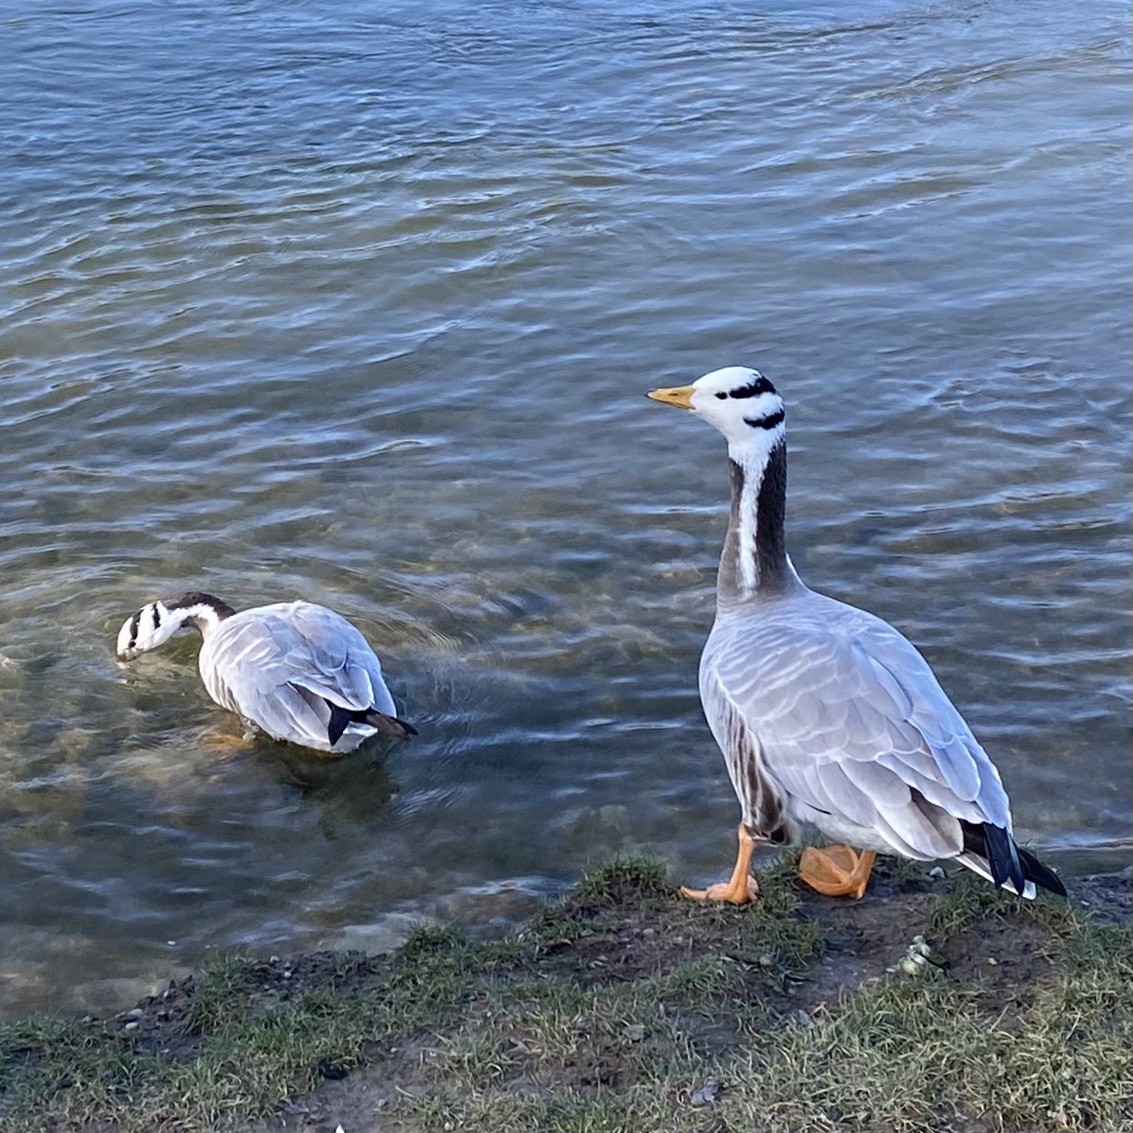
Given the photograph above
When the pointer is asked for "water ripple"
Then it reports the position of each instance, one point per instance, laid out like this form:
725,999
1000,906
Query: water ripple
359,304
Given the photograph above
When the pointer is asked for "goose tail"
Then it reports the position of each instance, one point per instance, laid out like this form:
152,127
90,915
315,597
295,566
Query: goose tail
389,725
385,725
991,852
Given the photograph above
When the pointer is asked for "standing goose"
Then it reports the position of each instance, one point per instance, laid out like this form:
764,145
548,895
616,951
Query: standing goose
298,671
826,715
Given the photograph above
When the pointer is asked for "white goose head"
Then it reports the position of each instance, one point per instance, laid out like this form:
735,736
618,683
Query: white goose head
740,402
156,622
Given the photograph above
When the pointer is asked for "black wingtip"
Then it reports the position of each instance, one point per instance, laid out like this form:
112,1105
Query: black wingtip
1038,873
1003,858
340,719
1007,861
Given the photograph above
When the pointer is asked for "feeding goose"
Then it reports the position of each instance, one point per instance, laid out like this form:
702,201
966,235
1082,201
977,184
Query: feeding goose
827,716
298,671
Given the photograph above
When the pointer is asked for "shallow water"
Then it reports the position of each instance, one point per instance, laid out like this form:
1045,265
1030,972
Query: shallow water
358,303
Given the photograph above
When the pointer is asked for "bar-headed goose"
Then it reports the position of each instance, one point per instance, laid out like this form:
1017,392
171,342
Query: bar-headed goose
826,715
299,671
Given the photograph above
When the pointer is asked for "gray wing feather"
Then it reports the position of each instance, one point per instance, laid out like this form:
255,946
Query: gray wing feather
277,665
851,721
290,712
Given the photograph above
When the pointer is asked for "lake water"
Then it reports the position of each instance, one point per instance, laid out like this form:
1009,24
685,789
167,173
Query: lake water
359,303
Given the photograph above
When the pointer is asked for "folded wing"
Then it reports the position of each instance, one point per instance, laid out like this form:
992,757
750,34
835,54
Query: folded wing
284,666
853,724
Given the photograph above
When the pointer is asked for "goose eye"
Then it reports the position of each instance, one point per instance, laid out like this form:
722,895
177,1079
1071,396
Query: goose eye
722,396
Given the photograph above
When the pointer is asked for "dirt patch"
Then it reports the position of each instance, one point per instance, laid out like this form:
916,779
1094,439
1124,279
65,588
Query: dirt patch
627,940
174,1021
359,1102
1108,898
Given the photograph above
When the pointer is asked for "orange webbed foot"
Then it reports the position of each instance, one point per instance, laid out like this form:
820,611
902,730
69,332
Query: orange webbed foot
731,892
741,888
836,871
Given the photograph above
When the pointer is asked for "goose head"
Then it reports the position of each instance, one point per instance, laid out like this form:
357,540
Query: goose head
150,627
157,622
739,401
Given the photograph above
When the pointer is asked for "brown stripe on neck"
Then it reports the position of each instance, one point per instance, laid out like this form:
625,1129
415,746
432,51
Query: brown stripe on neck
770,567
202,611
774,573
199,598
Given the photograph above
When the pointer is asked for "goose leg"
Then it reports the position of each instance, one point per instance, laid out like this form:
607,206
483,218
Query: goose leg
741,889
836,871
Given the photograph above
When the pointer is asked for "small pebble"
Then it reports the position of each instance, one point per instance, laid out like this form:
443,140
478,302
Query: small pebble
915,957
706,1094
132,1026
936,873
993,961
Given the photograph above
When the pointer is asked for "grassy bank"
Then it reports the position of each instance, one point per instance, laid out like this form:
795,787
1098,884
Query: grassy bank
622,1008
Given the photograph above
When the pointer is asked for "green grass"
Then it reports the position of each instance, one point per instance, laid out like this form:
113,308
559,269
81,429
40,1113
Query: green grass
921,1055
611,1008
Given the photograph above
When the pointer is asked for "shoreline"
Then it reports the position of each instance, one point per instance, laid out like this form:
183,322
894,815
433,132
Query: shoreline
620,1007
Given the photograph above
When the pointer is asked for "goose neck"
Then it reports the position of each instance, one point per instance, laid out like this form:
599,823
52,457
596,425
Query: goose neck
203,611
755,563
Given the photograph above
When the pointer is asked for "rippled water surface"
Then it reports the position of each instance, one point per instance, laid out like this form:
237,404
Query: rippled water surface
358,302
